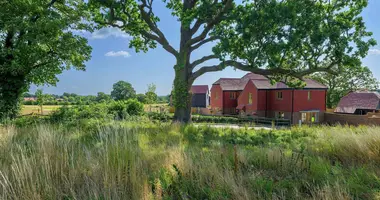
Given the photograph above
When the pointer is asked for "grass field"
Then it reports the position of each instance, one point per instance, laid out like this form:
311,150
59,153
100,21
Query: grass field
143,160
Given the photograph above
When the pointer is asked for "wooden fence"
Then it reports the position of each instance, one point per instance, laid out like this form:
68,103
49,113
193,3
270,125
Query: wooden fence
350,119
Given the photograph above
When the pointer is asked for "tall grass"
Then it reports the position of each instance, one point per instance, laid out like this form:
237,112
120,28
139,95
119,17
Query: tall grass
147,161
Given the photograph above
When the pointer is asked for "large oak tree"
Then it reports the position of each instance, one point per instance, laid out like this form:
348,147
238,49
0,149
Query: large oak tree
281,39
36,44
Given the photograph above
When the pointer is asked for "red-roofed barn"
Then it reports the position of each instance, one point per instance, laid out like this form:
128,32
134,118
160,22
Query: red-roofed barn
254,95
359,103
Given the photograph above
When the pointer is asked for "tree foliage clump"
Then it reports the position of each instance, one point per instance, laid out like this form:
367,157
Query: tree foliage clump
123,91
37,42
284,40
150,95
348,80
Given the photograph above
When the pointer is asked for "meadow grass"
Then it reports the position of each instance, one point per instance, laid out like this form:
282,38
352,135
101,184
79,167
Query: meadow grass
142,160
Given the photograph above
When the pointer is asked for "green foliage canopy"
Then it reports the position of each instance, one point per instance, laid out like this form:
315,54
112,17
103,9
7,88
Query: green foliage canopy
150,95
141,98
37,43
123,91
348,80
102,97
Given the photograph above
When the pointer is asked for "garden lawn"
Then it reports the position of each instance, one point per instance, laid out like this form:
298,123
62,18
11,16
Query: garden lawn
139,159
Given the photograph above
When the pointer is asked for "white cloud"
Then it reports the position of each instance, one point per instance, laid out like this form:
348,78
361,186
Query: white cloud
109,32
125,54
374,52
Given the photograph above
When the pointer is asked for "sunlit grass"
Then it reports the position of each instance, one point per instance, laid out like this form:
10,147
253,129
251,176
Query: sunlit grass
131,160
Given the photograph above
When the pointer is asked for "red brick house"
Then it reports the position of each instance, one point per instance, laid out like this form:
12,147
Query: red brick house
226,91
254,95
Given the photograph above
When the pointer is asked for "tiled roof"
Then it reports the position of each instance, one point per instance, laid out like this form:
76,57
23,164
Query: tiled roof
199,89
30,98
238,83
251,76
265,84
358,100
229,83
261,82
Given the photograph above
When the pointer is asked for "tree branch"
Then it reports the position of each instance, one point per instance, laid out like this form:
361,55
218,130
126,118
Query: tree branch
218,18
199,44
153,27
264,72
202,60
196,26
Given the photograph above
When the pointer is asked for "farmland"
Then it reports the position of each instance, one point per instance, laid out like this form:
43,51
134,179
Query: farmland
34,109
47,109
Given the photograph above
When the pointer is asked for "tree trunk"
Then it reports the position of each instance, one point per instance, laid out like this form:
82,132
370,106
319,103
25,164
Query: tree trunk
181,96
11,89
183,75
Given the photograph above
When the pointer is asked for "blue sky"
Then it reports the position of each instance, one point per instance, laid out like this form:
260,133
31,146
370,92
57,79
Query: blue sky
112,60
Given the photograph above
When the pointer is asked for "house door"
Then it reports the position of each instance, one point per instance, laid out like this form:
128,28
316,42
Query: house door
310,117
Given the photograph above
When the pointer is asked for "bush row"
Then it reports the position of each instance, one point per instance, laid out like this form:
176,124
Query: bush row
165,117
111,110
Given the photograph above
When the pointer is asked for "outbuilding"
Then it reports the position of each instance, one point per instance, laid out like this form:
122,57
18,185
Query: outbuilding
200,96
359,103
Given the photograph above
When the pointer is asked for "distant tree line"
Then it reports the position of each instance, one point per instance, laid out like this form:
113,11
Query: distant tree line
121,91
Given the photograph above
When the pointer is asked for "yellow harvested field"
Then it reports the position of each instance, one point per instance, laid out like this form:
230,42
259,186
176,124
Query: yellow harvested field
34,109
156,107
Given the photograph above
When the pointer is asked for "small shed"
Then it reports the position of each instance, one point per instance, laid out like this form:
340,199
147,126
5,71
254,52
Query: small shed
201,97
359,103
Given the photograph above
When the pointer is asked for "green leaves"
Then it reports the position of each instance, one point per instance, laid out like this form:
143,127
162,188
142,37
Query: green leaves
351,78
296,35
42,39
123,91
39,43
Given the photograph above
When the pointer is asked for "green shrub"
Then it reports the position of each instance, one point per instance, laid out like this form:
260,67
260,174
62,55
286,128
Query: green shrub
134,107
118,109
214,119
99,111
75,113
163,117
